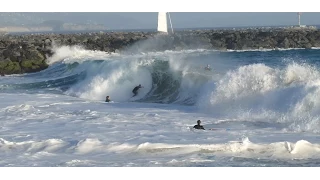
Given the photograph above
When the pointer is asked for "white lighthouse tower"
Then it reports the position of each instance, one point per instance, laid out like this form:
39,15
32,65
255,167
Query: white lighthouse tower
299,20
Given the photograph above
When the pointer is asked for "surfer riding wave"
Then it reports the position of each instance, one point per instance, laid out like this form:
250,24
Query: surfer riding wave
135,90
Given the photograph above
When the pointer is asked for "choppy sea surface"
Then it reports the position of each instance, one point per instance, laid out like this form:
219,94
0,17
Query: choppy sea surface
263,107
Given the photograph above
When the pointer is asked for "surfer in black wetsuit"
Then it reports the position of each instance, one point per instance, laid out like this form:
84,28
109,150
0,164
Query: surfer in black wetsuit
135,90
108,99
198,126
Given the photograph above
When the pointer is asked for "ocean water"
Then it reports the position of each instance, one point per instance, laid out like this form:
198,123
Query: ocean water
263,107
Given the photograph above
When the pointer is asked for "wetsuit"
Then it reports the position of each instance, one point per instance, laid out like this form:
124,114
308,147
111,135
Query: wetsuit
198,127
135,90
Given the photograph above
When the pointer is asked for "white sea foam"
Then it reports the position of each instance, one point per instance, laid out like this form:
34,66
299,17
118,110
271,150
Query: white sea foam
260,114
83,133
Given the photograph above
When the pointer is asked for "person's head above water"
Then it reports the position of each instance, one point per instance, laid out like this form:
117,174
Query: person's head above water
198,122
139,85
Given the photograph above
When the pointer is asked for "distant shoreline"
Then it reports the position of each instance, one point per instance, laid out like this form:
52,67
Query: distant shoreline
150,29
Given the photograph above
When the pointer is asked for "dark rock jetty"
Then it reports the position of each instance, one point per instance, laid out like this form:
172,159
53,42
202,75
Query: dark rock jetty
28,53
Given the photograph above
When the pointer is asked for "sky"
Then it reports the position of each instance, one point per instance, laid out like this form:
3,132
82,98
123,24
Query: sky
148,20
219,19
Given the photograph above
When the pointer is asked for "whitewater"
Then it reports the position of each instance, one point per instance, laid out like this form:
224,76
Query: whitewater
264,107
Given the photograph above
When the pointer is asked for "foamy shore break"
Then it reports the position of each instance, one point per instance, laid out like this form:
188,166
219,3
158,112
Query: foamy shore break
28,53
